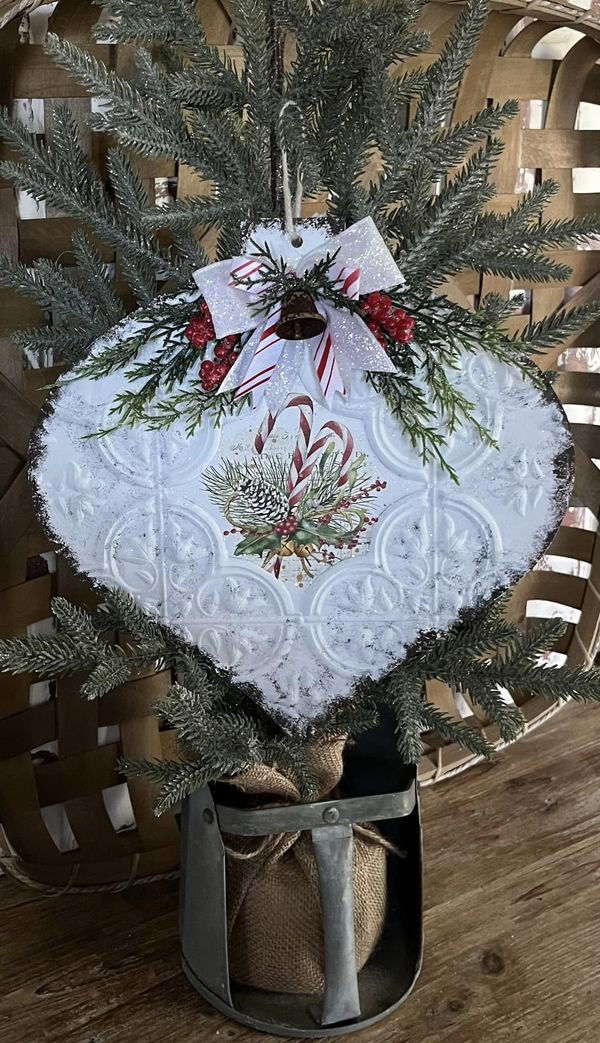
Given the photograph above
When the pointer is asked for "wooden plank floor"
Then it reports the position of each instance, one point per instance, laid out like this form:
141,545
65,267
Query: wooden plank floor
512,924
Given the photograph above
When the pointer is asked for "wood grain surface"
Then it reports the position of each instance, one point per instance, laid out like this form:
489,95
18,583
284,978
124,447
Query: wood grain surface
512,912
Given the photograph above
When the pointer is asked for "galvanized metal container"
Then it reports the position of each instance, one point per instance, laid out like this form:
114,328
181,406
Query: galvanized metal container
381,790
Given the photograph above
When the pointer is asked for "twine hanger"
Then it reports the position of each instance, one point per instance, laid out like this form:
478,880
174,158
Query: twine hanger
292,211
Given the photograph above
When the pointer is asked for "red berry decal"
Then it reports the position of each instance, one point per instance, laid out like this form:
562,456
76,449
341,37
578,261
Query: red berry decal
287,527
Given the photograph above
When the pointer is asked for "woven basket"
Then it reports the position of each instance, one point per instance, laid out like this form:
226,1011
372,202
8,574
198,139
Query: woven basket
545,142
67,818
57,752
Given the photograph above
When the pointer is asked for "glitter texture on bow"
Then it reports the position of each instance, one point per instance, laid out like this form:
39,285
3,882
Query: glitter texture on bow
268,366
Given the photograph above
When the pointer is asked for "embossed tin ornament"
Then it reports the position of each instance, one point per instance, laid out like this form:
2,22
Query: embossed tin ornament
306,548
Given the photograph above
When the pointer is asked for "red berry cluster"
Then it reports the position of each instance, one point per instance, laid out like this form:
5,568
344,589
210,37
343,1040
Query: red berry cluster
384,317
287,527
201,332
200,329
212,374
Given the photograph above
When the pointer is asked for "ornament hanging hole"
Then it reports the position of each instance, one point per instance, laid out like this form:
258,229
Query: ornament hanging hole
297,241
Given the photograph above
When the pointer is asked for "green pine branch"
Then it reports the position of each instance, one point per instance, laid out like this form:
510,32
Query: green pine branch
175,779
138,121
553,329
187,102
50,655
469,738
59,173
75,622
188,213
494,309
166,21
450,146
93,277
437,247
221,731
442,81
407,702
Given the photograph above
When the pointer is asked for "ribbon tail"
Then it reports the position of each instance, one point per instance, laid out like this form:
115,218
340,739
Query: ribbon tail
326,367
360,348
264,360
239,369
284,381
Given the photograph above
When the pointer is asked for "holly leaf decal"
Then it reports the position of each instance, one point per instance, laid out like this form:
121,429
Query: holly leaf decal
257,544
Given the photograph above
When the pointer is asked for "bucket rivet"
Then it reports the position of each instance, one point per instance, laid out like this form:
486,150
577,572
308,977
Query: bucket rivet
208,816
331,815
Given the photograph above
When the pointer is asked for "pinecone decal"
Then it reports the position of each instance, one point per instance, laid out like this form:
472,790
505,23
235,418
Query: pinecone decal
251,493
258,501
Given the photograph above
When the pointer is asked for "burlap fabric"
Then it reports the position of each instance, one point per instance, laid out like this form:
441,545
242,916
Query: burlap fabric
273,904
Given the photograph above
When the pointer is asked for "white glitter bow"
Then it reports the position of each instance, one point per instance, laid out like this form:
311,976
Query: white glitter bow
269,366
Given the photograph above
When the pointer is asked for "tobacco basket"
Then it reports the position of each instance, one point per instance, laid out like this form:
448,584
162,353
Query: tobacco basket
58,753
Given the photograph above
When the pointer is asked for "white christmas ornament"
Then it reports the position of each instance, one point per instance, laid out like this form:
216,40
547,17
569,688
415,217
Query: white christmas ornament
310,547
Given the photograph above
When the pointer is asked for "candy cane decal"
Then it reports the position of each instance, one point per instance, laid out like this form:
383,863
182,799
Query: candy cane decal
305,405
306,455
314,454
309,504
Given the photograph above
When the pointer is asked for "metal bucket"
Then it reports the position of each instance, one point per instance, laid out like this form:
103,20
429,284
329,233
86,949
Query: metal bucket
382,791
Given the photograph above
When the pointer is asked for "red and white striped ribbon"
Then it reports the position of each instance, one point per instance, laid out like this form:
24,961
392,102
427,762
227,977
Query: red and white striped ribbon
327,369
247,273
346,281
265,358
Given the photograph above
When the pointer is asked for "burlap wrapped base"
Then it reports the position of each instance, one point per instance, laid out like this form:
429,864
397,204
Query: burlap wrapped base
273,904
